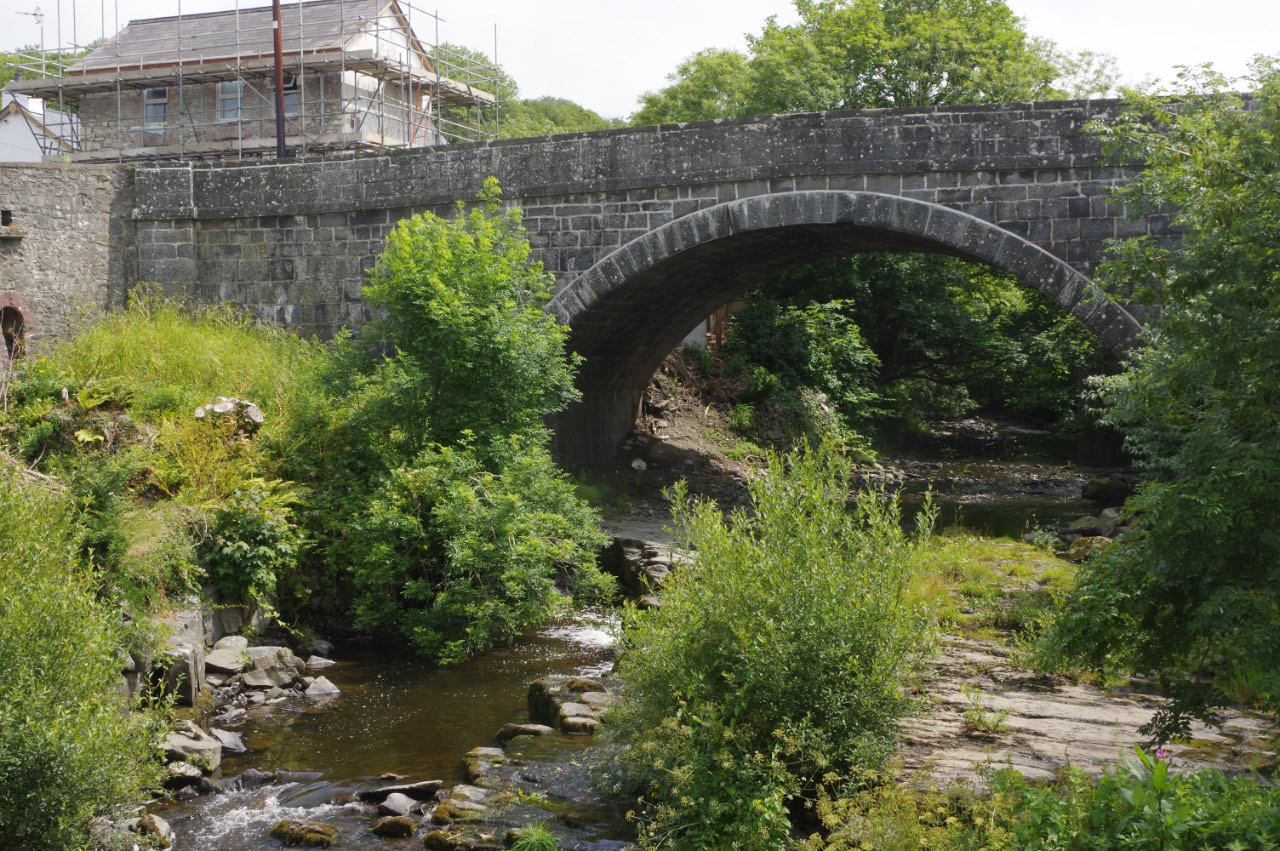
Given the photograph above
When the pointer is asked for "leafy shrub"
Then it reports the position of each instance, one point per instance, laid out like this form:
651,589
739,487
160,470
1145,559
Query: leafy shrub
774,661
68,750
475,350
1193,595
251,541
458,558
1144,805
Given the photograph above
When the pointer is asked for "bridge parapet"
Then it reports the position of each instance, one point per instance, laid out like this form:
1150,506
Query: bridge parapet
293,241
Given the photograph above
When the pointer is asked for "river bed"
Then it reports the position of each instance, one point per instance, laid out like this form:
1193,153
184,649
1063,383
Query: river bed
397,714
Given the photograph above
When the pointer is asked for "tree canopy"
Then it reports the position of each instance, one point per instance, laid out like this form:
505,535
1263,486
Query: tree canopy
1194,592
857,54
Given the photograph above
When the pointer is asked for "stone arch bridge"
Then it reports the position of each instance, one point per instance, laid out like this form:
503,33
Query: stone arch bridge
648,230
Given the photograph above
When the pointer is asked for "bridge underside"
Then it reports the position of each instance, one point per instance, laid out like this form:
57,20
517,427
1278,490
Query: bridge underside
635,306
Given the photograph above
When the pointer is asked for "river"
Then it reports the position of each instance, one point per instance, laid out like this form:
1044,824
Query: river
398,715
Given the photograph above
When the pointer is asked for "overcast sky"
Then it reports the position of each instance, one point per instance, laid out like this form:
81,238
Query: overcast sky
605,53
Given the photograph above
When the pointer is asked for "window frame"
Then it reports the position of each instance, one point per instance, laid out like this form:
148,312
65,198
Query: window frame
225,113
149,100
292,86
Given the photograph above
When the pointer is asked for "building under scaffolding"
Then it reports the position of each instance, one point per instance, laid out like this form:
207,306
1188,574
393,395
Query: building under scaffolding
202,86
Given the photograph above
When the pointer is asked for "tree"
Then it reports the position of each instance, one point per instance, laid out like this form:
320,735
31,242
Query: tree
546,116
1193,594
860,54
463,539
709,84
475,350
850,54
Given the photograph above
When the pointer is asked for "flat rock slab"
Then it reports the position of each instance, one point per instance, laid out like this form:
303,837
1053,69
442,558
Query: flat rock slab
225,660
231,742
510,731
1051,722
423,791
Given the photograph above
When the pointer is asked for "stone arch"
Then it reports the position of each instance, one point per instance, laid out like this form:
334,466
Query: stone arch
15,324
633,306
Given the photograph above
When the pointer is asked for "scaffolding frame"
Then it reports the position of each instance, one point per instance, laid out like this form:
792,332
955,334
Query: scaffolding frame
392,89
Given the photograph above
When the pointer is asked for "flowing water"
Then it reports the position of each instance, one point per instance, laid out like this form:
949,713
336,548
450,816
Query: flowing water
398,715
1010,496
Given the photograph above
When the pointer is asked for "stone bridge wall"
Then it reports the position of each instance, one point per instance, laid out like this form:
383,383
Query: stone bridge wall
292,242
69,251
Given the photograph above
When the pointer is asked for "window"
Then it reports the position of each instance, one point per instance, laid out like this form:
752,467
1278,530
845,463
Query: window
155,107
291,99
229,100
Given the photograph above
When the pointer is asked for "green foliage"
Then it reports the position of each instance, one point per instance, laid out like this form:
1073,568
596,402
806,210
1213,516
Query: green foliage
774,661
890,340
709,84
68,750
252,540
1194,593
546,116
859,54
535,837
457,558
475,352
157,359
1144,805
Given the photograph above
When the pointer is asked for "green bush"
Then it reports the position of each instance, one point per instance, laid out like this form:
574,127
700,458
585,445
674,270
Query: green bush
252,541
475,351
774,665
457,558
68,749
1193,595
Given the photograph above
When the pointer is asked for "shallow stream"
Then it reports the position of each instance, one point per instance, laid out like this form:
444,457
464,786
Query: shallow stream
397,715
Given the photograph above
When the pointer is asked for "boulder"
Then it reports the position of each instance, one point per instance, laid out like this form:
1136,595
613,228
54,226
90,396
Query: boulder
256,680
316,834
231,742
580,724
225,660
459,810
314,662
183,668
188,743
397,804
395,827
322,688
1085,527
423,791
234,643
1083,548
1106,491
598,700
316,647
480,761
156,829
1110,520
510,731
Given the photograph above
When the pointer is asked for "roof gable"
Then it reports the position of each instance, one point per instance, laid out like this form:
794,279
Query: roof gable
315,26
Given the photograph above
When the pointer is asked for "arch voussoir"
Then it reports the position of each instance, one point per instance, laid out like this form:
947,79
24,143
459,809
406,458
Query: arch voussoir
622,310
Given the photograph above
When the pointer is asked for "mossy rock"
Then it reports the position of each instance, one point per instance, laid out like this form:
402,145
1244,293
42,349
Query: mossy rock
395,827
315,834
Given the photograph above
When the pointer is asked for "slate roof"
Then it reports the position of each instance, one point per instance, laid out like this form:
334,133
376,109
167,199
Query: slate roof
318,25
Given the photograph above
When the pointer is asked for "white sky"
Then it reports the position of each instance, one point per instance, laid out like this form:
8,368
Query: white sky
605,53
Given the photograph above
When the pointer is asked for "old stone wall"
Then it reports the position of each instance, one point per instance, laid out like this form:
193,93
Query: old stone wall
292,242
69,251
